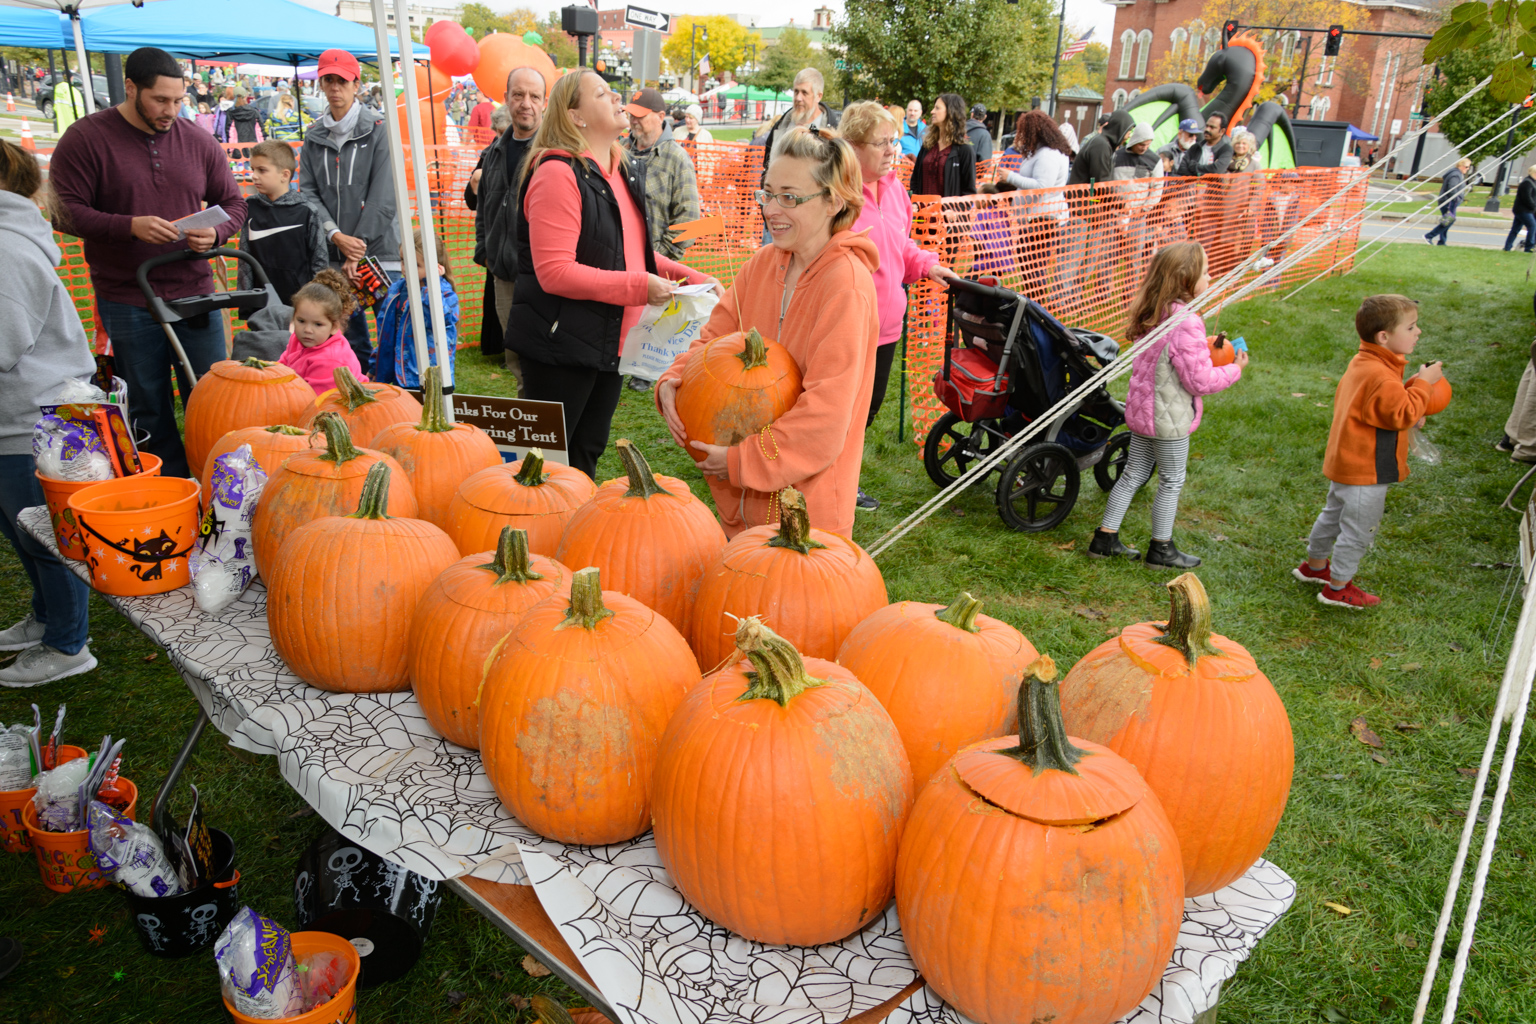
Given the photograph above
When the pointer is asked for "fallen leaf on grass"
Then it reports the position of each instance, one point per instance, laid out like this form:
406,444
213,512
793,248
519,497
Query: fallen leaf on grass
535,969
65,972
1298,394
1264,322
1219,537
1068,546
1457,647
1338,908
1111,631
1407,727
1381,758
1330,1014
1412,666
519,1002
302,812
152,655
1362,732
1375,663
1087,613
1470,773
1406,941
495,376
959,513
1482,819
456,997
1336,777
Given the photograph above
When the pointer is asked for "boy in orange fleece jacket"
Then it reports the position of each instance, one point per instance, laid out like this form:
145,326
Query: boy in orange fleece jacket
1373,410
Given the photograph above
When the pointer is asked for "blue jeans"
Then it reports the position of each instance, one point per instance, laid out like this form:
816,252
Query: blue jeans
60,600
1441,230
357,328
1526,220
143,357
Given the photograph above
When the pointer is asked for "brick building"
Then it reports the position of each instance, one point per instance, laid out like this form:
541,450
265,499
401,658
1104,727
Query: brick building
1375,83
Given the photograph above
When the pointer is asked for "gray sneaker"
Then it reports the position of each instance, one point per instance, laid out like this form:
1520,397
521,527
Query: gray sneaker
29,631
41,664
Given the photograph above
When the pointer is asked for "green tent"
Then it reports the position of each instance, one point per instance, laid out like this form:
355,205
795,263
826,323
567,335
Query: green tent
753,95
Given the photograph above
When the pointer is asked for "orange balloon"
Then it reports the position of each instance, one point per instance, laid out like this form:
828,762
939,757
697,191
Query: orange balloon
500,54
441,83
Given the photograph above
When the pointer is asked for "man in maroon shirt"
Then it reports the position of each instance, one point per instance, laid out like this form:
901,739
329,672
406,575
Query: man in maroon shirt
121,176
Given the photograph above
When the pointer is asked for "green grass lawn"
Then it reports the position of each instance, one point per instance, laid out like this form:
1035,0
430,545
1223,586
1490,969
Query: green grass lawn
731,134
1377,838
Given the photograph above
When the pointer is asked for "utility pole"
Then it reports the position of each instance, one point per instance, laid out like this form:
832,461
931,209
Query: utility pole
1061,27
1301,81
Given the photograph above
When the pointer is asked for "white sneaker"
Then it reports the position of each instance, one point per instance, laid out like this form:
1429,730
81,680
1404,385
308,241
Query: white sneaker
41,664
22,635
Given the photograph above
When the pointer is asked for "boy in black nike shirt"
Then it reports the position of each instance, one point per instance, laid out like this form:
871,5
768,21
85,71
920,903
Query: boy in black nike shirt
282,229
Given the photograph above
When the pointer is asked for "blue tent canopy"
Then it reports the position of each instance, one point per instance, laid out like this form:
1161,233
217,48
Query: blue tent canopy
43,30
245,31
1360,135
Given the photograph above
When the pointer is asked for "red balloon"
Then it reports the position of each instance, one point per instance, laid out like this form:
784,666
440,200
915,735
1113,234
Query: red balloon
436,29
453,50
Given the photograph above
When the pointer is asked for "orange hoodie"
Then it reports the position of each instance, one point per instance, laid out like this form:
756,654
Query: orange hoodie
1372,411
830,329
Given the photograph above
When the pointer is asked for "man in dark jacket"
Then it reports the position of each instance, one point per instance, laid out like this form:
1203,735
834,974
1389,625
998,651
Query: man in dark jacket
1453,188
807,110
1524,211
976,131
1212,154
1096,159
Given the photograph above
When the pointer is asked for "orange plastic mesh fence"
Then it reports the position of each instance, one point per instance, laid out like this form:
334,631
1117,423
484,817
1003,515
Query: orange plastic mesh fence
1082,253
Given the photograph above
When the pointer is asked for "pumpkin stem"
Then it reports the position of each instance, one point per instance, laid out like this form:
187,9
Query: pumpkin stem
794,524
353,394
511,562
432,419
286,429
531,473
1189,620
780,671
338,439
256,364
961,613
375,497
754,353
1043,741
586,608
642,483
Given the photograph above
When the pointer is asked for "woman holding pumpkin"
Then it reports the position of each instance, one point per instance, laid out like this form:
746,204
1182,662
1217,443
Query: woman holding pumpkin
810,290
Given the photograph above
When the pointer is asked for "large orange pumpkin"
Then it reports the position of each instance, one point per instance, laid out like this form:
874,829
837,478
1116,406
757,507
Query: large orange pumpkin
366,408
733,386
572,711
1191,710
1039,879
460,620
437,455
781,795
340,600
270,446
812,587
231,395
651,537
531,494
315,483
948,676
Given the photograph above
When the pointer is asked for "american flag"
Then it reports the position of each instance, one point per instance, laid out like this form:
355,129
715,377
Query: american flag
1078,46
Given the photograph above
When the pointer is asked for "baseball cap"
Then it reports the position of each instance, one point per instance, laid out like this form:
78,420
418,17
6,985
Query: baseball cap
338,62
646,101
1190,125
978,110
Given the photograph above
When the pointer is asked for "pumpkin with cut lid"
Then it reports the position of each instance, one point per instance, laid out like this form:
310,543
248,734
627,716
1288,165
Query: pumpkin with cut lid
1039,879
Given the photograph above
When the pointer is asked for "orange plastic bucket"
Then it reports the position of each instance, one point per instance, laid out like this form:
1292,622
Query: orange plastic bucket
138,531
65,529
65,859
13,834
342,1009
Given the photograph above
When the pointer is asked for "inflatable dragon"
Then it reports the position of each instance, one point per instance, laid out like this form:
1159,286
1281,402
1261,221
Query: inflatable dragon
1239,69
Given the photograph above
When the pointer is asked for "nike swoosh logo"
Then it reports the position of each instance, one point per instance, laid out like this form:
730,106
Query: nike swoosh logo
256,236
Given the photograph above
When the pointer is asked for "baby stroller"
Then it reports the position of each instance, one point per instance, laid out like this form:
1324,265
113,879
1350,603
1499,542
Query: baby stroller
1007,361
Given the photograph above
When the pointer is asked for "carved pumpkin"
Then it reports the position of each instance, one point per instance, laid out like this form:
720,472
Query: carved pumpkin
461,619
781,795
1191,710
270,446
437,455
231,395
651,537
733,386
812,587
366,408
531,494
1039,879
573,708
319,482
340,600
948,676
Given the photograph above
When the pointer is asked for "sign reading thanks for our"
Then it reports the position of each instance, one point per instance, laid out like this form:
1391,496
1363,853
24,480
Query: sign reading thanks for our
515,424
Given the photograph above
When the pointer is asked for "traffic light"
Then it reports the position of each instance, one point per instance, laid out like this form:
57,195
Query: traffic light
1228,30
1335,37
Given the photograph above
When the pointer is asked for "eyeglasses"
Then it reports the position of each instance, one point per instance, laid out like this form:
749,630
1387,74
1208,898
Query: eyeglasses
784,199
883,144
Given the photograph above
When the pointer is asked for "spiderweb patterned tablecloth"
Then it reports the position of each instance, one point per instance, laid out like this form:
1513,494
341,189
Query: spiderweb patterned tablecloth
375,770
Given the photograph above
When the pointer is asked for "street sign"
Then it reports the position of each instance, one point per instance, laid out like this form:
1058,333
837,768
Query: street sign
515,424
639,17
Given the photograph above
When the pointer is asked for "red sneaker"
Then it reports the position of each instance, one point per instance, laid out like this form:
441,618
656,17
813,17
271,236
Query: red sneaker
1307,574
1351,597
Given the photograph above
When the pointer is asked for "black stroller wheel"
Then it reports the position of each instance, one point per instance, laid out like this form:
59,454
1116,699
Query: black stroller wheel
951,447
1109,467
1038,488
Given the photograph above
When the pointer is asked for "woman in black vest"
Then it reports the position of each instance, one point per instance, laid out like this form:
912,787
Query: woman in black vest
585,265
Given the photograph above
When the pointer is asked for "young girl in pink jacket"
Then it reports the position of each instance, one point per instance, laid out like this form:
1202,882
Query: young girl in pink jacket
317,346
1163,407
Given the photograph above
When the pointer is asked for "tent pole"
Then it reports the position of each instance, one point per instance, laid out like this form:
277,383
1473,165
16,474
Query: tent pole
397,167
85,66
424,204
298,97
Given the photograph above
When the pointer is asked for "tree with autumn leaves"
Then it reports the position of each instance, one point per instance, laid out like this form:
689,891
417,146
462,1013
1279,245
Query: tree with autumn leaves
728,44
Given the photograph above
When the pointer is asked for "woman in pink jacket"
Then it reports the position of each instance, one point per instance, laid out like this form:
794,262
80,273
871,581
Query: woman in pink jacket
887,215
1163,408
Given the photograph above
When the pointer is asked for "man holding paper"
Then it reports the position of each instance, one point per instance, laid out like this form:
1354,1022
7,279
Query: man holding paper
123,176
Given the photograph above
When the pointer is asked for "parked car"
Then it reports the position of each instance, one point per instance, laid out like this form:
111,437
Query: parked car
98,86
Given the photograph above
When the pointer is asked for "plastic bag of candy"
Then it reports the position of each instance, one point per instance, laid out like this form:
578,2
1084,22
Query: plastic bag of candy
323,975
222,564
68,449
16,757
57,799
256,969
131,853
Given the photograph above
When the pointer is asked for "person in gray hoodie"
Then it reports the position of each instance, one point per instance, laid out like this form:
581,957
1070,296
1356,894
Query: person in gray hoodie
345,168
976,130
42,345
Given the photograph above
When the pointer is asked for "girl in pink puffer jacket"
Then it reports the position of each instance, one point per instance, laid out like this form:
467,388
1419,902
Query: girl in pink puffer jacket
1163,407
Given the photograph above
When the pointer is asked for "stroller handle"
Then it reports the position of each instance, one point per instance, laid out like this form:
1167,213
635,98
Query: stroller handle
965,284
187,255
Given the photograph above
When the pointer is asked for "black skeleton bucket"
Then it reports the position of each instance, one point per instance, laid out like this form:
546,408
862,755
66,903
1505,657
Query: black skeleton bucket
385,910
178,926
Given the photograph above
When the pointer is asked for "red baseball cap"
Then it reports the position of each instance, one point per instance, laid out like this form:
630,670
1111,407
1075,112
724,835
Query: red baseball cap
339,62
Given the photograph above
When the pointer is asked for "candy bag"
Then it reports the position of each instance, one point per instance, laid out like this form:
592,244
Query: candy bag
67,449
222,564
130,853
76,392
57,799
323,975
256,969
15,758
